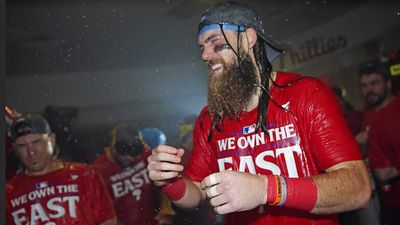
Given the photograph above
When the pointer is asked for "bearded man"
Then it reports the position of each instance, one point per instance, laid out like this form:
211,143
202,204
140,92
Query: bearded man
381,135
270,147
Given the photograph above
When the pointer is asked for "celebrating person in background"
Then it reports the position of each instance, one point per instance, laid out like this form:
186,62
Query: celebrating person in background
123,166
382,138
50,191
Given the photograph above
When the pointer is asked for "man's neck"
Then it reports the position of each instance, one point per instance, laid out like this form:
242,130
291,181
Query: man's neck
253,103
53,165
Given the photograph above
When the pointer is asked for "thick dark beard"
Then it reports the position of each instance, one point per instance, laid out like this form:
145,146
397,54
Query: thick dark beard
230,93
381,98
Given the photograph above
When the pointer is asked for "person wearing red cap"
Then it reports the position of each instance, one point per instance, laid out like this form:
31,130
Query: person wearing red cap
270,147
50,191
123,166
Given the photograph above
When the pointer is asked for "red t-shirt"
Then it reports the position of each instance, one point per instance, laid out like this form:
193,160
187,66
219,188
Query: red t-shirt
369,115
384,148
354,119
74,194
136,200
384,145
303,141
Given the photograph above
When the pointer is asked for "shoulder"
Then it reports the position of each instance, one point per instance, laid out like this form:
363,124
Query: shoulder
303,89
13,182
74,166
389,114
83,169
298,81
101,159
395,104
203,112
203,121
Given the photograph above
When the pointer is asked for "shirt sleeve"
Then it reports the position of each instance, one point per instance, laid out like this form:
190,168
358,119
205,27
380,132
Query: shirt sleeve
199,165
331,139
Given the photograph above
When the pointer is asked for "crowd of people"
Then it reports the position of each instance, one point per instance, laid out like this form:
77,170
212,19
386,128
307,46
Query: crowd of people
270,147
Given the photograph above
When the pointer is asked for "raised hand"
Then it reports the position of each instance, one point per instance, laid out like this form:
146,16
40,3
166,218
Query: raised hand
164,164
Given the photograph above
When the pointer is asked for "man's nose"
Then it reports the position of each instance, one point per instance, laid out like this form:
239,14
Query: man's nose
30,150
207,54
370,88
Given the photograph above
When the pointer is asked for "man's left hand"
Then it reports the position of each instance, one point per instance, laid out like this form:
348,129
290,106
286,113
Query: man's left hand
233,191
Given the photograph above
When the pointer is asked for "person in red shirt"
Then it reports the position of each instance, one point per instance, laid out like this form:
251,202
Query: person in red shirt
49,191
123,166
383,136
270,147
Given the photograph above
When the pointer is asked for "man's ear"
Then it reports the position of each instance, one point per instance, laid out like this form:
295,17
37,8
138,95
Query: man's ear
53,138
389,85
251,35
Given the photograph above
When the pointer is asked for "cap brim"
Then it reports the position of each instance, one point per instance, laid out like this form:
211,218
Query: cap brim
273,50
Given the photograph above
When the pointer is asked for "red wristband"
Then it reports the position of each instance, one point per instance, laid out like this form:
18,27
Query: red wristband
301,193
175,190
271,190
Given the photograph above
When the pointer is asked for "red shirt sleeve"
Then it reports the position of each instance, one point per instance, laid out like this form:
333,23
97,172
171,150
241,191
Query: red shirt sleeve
331,139
199,165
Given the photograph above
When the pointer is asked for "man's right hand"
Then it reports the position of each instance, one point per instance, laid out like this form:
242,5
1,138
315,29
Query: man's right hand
164,164
362,137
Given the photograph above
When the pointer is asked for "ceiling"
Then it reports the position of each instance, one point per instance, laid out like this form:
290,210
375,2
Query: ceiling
73,36
132,60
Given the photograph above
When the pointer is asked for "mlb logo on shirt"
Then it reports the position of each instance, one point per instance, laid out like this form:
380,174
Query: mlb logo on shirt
41,185
249,129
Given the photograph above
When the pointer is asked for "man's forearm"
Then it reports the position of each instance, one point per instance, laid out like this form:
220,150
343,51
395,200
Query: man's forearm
344,187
